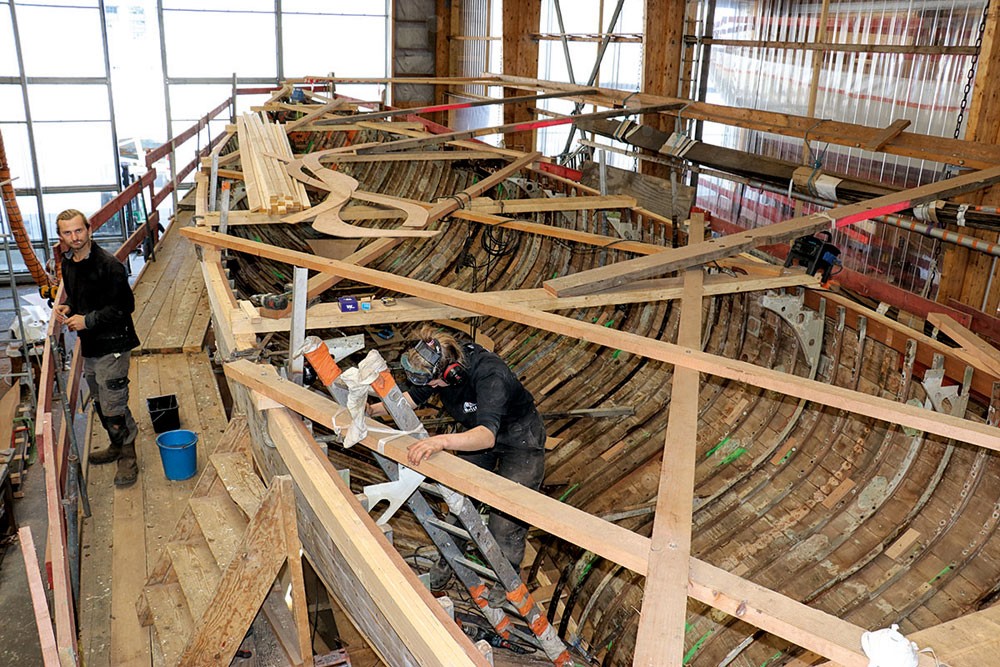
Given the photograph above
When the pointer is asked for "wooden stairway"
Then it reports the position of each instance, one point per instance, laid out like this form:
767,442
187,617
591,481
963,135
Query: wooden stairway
225,561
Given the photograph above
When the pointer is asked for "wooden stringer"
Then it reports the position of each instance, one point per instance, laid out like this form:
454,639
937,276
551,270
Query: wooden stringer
225,562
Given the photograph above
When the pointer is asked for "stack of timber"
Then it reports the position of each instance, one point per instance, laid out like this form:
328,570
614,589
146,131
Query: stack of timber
848,512
263,149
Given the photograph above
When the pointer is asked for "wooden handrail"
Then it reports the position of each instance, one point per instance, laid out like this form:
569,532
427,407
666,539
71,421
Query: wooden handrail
162,151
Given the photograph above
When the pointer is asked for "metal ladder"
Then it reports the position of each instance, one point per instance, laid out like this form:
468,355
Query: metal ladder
404,487
7,338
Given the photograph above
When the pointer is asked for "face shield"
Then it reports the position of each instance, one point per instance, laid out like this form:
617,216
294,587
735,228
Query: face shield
416,369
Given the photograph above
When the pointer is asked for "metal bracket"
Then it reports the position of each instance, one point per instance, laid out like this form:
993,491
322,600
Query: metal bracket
806,323
395,492
952,399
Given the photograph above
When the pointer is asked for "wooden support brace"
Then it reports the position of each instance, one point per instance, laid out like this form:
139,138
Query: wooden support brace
486,304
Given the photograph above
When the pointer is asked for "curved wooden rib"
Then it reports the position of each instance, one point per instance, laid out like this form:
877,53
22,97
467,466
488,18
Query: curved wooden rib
326,216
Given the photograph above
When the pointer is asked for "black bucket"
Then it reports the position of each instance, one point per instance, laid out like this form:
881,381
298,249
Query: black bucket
163,413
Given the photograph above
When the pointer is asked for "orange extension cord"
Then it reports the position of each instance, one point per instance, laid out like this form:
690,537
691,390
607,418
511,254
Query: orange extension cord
17,226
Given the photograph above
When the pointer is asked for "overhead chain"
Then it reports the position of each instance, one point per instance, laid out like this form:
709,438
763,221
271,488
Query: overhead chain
970,77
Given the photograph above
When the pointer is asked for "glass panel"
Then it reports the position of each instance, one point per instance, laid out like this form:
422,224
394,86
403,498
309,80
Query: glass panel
61,41
331,7
631,20
136,71
19,268
245,102
622,66
189,102
52,102
75,154
8,53
220,5
234,42
57,3
15,142
88,202
11,102
28,204
365,92
349,46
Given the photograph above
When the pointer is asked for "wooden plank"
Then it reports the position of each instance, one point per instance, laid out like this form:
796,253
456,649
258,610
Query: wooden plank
662,622
650,192
197,573
97,540
968,154
39,604
506,128
520,56
985,355
131,644
172,618
321,283
770,611
435,108
313,115
982,324
194,340
414,614
223,525
486,304
328,315
244,584
680,258
238,476
878,142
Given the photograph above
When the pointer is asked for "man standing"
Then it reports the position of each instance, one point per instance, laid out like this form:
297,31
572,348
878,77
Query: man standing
99,305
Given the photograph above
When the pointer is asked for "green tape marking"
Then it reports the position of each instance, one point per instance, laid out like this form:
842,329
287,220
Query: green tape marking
946,570
771,659
732,456
567,492
694,649
716,448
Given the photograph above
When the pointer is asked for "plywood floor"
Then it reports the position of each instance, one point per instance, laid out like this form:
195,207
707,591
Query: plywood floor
171,305
122,538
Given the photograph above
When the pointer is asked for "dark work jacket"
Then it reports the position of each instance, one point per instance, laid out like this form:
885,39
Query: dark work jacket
490,396
97,288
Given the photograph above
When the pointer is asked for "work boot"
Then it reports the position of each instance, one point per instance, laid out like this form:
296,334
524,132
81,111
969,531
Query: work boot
114,450
128,467
440,574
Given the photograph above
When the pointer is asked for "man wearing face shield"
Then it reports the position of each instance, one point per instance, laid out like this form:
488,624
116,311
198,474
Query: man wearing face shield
502,430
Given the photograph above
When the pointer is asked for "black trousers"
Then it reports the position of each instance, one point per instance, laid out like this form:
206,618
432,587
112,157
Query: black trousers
519,456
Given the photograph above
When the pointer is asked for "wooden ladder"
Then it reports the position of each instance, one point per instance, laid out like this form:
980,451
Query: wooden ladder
225,561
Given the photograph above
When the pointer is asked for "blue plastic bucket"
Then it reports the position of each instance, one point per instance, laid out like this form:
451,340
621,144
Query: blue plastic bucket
179,453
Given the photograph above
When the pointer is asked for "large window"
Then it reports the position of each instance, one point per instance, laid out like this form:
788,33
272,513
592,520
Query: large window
85,92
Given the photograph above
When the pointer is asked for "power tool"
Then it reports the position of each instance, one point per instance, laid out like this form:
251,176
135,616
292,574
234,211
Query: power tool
271,301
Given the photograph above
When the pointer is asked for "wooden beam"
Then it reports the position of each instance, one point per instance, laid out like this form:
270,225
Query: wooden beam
673,260
486,304
969,154
321,283
408,606
329,316
314,115
506,128
984,355
878,142
810,628
661,631
39,604
435,108
520,57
